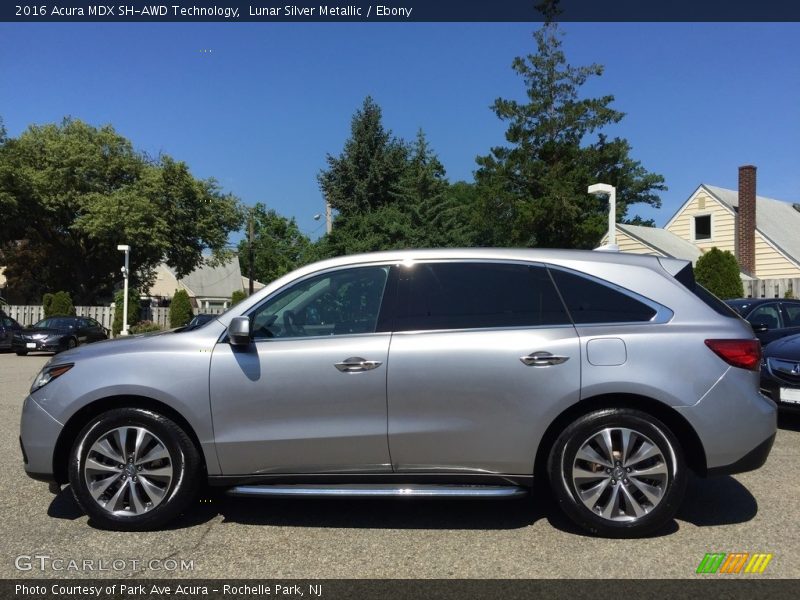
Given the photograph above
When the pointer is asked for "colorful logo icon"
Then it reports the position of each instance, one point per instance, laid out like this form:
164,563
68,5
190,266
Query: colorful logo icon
734,563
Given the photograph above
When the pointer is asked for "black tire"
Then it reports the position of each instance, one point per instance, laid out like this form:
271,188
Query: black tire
22,353
184,458
562,460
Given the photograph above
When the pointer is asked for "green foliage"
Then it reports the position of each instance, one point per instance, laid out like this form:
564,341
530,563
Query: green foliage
119,308
369,169
180,310
278,246
58,305
401,199
718,271
237,296
533,191
70,192
144,327
788,294
47,303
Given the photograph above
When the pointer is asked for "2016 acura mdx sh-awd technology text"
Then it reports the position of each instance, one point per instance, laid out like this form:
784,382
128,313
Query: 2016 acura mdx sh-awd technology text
431,372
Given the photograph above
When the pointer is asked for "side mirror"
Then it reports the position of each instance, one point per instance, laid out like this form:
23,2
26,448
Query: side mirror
759,327
239,331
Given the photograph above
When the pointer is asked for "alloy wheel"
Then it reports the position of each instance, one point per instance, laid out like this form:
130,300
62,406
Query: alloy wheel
620,474
128,471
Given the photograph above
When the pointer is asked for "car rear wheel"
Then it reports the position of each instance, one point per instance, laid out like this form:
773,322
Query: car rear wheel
133,469
618,473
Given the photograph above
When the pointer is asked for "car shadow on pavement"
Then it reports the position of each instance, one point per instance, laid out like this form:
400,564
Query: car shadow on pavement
717,501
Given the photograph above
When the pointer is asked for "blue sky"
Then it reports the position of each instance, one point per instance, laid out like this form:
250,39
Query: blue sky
260,111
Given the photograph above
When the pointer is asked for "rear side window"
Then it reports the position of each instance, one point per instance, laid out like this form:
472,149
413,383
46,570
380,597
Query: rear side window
590,301
476,295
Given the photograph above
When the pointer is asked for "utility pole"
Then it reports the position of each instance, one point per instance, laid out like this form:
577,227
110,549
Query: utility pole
125,272
250,251
328,218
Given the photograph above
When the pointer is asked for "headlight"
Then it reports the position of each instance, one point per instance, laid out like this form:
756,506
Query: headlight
47,375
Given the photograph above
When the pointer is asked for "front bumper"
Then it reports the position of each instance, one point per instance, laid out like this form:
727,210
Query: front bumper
38,435
45,345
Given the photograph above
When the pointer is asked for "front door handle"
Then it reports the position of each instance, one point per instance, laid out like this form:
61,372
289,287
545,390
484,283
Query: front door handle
356,364
542,359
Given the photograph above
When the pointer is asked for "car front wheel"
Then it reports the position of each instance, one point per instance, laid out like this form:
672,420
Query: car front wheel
133,469
618,473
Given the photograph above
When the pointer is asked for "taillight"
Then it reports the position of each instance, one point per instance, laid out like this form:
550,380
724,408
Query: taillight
745,354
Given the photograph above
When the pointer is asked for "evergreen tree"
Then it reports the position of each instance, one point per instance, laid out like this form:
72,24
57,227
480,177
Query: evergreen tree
180,309
533,191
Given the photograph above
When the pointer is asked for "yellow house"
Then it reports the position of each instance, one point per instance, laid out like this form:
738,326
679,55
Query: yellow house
763,233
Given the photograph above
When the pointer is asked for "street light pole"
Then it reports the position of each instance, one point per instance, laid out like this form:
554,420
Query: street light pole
250,252
328,218
127,250
604,189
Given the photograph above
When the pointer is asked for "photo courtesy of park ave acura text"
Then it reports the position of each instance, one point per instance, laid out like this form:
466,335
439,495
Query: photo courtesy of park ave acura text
399,300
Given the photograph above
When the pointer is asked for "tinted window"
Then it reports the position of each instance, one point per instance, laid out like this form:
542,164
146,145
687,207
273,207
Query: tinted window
793,310
476,295
337,303
589,301
766,314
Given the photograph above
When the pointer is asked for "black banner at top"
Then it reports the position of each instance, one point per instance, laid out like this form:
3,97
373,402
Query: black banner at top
270,11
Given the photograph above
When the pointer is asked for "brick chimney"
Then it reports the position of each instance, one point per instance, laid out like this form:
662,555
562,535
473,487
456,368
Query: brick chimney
746,227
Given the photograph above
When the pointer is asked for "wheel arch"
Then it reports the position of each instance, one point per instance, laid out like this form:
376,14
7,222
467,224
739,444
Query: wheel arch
79,420
693,449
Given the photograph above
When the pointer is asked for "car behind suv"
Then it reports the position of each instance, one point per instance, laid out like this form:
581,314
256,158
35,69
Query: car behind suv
418,373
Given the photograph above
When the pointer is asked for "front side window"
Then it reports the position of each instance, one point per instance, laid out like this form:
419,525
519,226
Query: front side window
766,314
590,301
341,302
793,312
476,295
702,227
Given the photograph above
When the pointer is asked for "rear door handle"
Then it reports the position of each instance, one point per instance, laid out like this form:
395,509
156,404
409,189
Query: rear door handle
542,359
356,364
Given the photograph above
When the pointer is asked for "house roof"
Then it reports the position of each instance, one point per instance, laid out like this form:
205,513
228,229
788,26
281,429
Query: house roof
663,241
212,282
776,220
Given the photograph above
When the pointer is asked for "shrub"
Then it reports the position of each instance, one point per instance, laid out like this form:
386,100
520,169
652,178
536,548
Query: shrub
119,305
58,305
237,296
788,295
145,327
180,311
718,272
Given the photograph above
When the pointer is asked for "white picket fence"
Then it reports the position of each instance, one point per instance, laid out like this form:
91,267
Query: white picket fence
772,288
30,314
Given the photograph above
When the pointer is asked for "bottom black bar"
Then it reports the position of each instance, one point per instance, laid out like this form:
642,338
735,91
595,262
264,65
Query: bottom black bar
709,587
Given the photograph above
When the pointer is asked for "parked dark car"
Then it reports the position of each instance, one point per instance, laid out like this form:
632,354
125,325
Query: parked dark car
771,318
55,334
8,327
780,372
199,320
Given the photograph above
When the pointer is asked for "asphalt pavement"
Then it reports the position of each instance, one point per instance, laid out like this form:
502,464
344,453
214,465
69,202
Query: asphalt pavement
48,536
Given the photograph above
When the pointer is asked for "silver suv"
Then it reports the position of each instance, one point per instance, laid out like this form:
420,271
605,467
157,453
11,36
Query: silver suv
418,373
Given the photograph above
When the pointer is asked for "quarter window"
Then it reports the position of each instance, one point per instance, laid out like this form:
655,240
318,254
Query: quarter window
590,301
336,303
476,295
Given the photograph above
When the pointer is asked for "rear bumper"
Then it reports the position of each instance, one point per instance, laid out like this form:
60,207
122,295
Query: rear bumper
751,461
735,423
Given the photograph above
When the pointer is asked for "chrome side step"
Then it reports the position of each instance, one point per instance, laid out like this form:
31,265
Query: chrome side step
381,490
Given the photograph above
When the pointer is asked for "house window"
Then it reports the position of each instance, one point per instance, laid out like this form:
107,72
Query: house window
702,227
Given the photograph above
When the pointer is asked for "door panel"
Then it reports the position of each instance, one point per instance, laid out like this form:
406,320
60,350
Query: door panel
282,406
466,401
